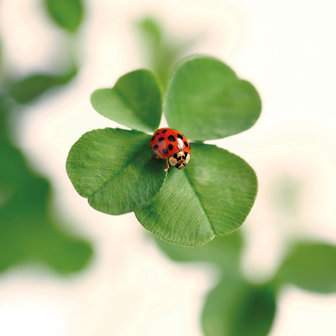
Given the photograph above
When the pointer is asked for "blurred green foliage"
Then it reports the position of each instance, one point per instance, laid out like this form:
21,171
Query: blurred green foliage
4,115
310,266
224,252
160,50
30,88
237,308
67,14
30,230
234,307
251,311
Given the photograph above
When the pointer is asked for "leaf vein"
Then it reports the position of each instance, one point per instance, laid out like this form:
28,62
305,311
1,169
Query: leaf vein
199,200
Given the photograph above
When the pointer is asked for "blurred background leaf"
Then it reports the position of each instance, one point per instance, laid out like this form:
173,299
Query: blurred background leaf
31,87
252,311
4,116
310,266
67,14
224,252
160,49
28,232
236,308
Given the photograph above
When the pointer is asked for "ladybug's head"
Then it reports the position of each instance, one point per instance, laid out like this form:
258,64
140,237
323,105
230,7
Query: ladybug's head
179,159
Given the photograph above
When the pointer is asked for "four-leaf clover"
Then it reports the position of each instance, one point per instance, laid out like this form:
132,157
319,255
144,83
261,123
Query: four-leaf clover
213,195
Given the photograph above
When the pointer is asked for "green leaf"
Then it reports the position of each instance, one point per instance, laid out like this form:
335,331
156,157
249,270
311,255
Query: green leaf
212,196
207,100
29,88
236,308
311,266
134,101
112,168
66,13
222,251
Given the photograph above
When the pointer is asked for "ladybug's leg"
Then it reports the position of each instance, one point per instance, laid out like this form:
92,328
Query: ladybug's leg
155,157
167,167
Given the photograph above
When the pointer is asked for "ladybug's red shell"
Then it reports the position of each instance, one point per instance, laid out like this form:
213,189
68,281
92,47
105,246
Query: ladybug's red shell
166,142
172,146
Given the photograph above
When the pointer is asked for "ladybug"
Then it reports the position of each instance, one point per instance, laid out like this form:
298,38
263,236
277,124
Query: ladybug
172,146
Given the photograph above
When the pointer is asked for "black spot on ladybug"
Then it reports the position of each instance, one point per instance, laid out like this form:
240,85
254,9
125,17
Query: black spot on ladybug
171,138
179,136
170,147
155,147
153,137
164,131
157,133
164,151
160,140
175,155
186,143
